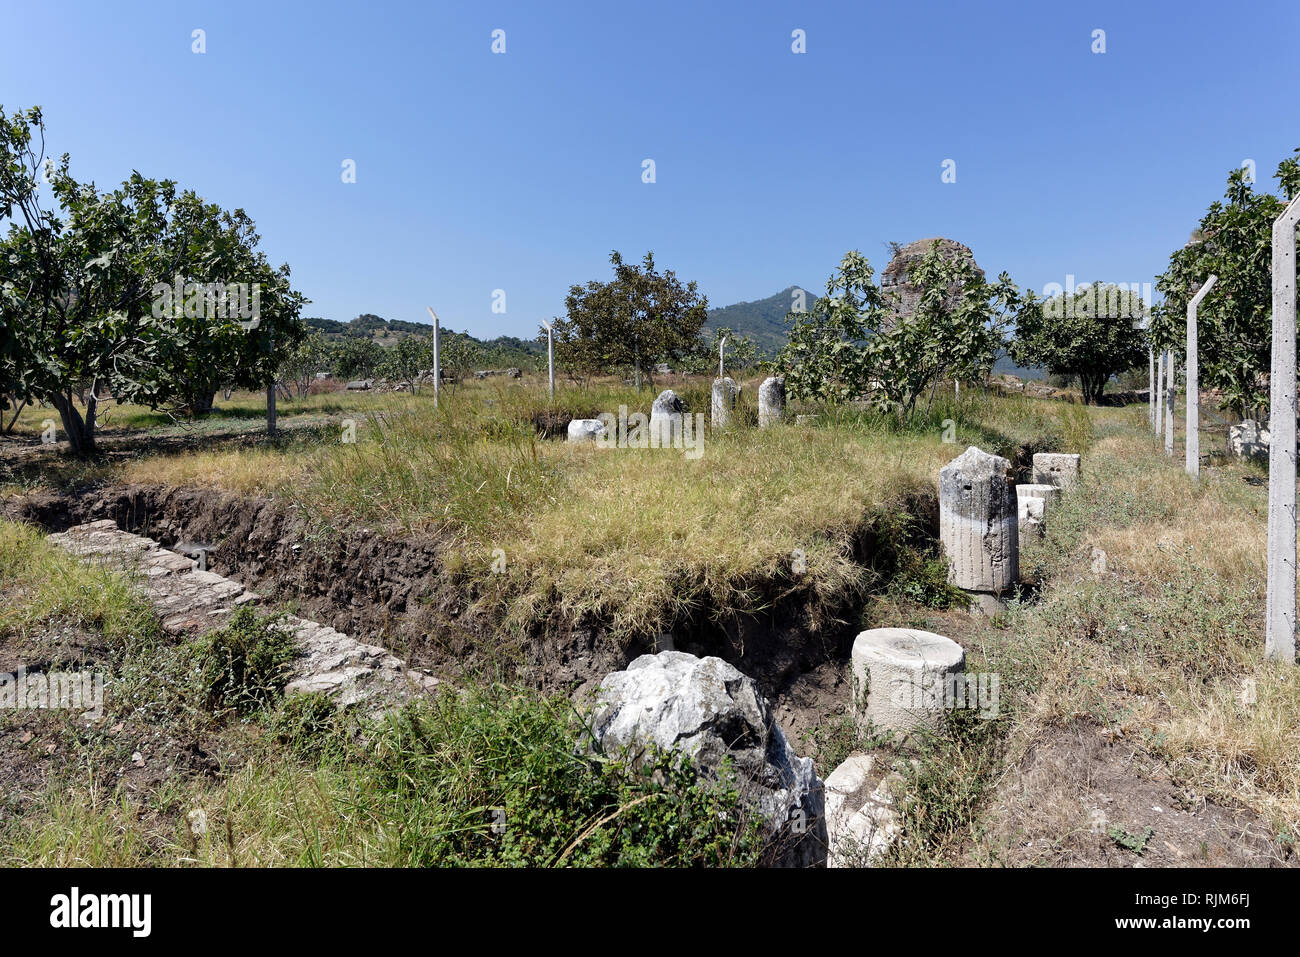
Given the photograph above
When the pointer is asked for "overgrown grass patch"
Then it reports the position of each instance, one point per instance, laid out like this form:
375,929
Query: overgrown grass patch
43,584
495,777
1162,642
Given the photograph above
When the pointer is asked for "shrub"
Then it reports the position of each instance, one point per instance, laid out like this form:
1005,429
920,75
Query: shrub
244,664
500,777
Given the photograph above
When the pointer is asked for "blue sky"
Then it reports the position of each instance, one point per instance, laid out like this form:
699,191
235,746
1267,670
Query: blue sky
520,171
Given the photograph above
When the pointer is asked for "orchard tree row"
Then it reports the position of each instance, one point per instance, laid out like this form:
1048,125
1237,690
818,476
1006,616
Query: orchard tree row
1234,323
86,291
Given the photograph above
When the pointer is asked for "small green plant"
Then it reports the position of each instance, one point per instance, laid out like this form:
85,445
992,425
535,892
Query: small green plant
1137,843
838,737
307,723
918,574
924,581
244,664
946,787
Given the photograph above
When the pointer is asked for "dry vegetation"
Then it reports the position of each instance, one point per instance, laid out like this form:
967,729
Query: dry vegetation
1148,675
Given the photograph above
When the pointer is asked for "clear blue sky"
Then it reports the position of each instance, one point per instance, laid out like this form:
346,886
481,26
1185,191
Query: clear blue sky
521,171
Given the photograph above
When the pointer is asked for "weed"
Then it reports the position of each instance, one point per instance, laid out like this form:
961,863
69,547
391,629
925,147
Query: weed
244,664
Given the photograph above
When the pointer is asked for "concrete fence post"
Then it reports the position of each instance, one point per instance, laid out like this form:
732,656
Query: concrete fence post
1279,636
270,399
1151,387
1160,393
550,359
437,368
1192,459
1170,393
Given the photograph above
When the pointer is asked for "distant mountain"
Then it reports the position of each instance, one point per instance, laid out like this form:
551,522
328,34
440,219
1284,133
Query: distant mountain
498,352
1004,364
762,320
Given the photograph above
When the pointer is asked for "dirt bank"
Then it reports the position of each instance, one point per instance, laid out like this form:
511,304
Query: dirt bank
395,591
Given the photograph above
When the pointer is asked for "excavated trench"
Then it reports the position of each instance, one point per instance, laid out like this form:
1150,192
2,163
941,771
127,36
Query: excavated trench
396,592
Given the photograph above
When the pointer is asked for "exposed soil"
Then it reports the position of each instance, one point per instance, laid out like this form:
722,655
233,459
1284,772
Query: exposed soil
1077,796
393,591
39,747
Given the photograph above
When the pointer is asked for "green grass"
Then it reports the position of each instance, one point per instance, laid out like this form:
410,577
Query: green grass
494,778
490,776
1155,651
44,586
637,541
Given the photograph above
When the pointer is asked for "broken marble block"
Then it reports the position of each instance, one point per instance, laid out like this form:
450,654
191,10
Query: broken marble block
585,430
1056,468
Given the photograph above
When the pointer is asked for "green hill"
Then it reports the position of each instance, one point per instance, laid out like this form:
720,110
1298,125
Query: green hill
762,320
500,352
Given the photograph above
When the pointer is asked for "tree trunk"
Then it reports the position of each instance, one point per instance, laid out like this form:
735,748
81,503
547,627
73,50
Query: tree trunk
201,402
79,429
18,410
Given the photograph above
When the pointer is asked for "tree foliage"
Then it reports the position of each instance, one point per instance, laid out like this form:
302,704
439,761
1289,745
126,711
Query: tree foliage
458,353
851,344
1234,322
1092,334
83,281
358,357
310,356
407,360
640,318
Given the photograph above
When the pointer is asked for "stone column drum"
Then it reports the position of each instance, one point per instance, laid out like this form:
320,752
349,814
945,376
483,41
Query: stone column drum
771,401
900,676
978,522
723,406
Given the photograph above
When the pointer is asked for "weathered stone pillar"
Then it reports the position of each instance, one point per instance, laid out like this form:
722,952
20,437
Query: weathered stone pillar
1056,468
900,677
724,401
666,420
1033,502
862,820
1247,440
978,524
771,401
